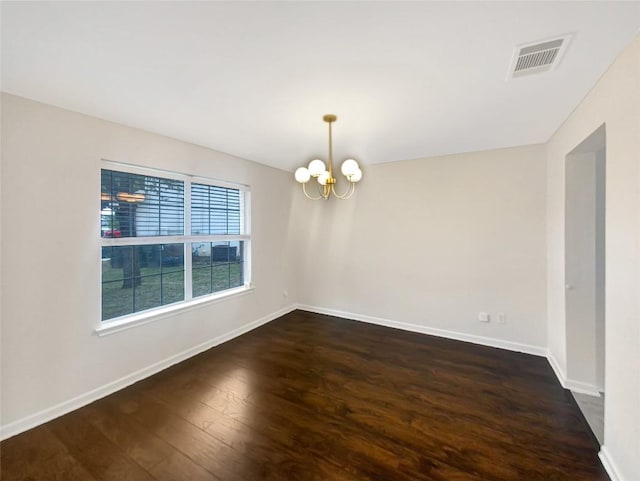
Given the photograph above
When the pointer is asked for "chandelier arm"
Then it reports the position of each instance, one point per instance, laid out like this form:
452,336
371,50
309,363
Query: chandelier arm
352,188
349,192
326,191
304,189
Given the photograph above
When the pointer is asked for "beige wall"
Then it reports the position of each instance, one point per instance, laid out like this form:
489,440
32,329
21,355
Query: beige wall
432,242
614,101
50,257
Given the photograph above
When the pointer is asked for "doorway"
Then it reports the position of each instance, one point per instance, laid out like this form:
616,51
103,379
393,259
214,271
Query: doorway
585,169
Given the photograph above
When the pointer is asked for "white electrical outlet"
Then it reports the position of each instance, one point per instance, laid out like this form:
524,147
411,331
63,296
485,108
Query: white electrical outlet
483,317
501,318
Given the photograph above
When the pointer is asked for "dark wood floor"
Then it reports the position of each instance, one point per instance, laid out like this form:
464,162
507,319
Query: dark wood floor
310,397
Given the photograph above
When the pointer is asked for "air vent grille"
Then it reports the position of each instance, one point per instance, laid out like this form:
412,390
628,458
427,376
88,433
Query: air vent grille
537,58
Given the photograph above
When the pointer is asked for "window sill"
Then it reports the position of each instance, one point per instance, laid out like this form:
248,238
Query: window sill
139,319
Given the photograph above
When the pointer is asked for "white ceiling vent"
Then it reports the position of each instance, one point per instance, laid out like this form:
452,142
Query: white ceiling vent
538,57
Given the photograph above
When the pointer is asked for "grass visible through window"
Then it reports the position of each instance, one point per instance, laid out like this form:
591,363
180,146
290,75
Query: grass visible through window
157,287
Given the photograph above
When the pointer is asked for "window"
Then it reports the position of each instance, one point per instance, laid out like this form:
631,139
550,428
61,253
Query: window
169,238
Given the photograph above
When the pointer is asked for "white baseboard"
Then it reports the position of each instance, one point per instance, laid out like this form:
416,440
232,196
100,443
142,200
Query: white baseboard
559,372
582,388
609,464
575,386
41,417
459,336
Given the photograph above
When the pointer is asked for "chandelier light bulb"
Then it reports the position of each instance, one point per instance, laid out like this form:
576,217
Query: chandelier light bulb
349,167
356,176
302,175
323,178
316,167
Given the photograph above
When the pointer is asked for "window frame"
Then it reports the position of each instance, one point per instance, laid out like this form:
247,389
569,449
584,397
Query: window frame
119,323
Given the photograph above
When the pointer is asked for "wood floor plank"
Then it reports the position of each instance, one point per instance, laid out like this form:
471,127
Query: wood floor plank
263,448
310,397
158,457
99,456
39,455
215,456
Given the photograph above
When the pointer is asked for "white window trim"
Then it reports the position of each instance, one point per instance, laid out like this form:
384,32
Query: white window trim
135,319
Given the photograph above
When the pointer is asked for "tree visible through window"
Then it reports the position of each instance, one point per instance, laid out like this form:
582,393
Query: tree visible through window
168,239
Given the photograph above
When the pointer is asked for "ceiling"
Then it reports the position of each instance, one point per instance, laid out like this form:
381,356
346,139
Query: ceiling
406,79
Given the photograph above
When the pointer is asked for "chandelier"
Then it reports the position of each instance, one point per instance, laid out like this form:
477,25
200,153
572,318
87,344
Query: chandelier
326,180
